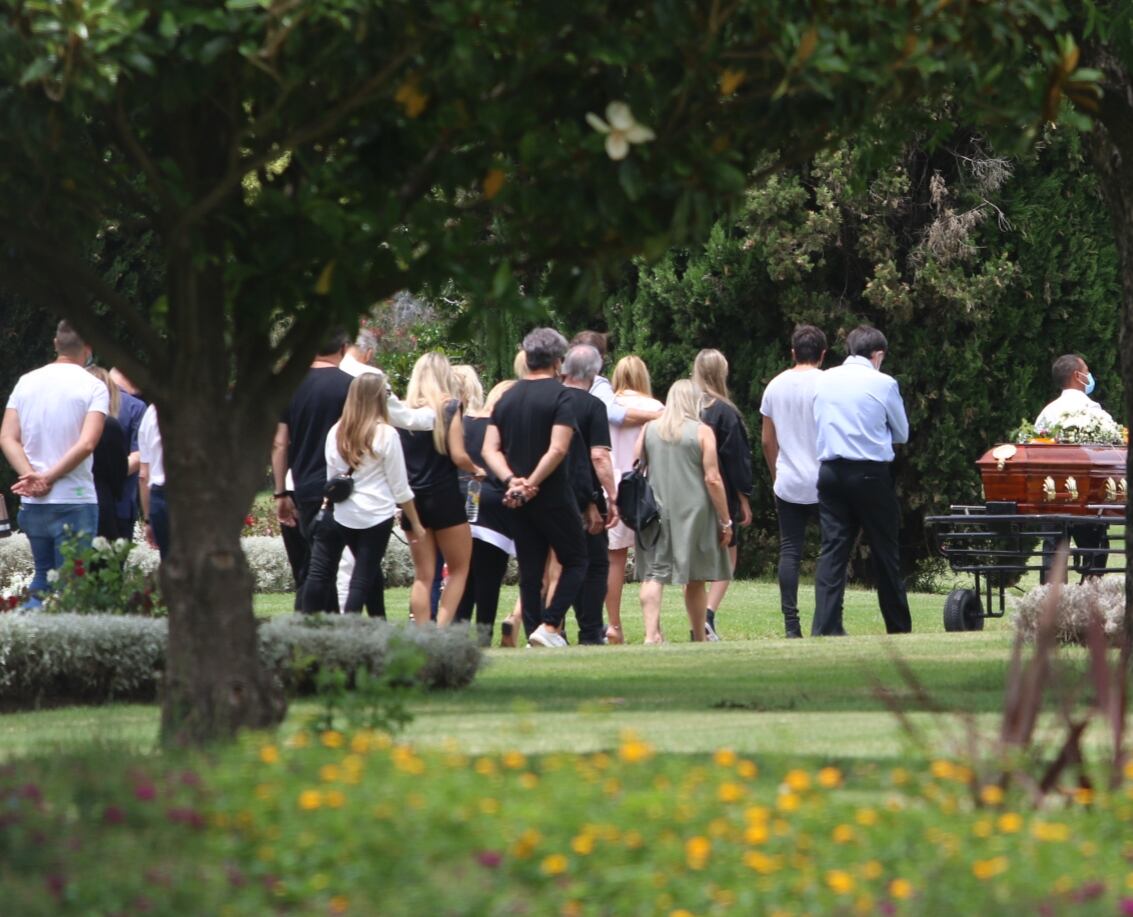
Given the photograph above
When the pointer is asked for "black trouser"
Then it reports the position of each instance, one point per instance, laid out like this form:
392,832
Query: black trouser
856,496
159,518
793,519
1085,536
592,595
307,510
539,527
367,585
485,576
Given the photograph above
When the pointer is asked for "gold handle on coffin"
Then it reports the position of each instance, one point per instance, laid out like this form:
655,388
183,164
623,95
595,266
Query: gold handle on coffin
1123,489
1072,488
1049,489
1002,453
1110,490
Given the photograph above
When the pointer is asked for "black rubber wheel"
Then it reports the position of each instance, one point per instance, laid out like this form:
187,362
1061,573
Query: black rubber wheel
963,611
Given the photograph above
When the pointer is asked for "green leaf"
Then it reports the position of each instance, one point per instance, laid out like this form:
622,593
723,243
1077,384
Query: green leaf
167,27
37,70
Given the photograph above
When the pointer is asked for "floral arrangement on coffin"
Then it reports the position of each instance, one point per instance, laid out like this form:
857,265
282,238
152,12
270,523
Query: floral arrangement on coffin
1075,427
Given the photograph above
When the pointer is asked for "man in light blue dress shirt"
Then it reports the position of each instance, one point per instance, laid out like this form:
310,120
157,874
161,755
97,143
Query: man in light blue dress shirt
859,415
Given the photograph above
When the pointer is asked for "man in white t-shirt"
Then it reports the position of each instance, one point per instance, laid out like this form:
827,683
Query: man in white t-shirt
52,423
789,445
151,482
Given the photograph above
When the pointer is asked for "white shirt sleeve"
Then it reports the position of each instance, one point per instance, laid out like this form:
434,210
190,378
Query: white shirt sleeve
388,445
406,418
604,392
100,399
336,464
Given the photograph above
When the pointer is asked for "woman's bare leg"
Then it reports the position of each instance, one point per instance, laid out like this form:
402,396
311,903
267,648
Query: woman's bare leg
696,604
615,583
651,611
424,554
455,543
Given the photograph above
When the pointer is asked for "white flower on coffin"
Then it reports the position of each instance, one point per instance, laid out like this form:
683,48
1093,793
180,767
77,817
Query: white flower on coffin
620,129
52,576
100,544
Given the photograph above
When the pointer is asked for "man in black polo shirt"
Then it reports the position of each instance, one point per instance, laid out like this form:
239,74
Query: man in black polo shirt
300,445
524,446
590,451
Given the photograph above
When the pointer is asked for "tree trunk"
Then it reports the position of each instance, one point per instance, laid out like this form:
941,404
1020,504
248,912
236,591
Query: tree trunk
1111,150
215,460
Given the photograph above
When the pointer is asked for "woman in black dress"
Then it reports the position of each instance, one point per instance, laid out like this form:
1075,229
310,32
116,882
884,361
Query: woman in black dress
733,448
111,462
432,459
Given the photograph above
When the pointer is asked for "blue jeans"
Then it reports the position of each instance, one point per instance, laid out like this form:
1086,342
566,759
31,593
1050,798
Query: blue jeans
159,518
47,525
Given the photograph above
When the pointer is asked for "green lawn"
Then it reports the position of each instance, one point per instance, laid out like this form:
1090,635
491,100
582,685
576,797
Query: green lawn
753,691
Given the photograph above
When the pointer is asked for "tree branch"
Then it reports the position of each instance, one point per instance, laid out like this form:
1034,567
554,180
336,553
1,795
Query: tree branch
135,149
54,260
300,137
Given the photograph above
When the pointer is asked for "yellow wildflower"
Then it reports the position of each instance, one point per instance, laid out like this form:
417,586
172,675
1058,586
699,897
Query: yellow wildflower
269,754
514,760
582,844
1009,823
730,791
331,739
788,802
335,799
339,904
697,850
756,833
1129,769
943,770
634,751
761,862
529,781
1083,795
680,912
901,889
983,828
554,865
725,757
899,776
842,834
328,773
872,869
989,869
310,799
747,769
299,740
361,742
866,817
634,840
1129,881
757,813
839,881
485,767
1050,831
829,777
991,795
489,805
797,780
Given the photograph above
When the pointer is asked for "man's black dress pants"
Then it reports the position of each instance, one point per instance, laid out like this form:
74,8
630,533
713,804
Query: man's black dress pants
858,496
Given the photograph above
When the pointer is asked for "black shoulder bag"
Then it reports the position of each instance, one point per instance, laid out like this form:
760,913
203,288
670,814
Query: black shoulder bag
339,487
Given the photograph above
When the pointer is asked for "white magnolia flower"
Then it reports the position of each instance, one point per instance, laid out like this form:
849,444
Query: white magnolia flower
53,576
620,129
100,544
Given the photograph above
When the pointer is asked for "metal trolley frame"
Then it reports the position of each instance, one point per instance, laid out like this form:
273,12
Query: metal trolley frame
999,545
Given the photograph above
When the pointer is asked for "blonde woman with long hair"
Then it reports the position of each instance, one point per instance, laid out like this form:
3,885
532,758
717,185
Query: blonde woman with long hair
110,462
364,444
687,545
432,458
633,390
733,450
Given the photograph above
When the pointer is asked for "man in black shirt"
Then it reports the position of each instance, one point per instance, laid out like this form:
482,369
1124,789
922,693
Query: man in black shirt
590,450
525,445
300,445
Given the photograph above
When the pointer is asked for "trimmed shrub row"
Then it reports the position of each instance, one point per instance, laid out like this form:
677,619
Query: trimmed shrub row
266,557
94,659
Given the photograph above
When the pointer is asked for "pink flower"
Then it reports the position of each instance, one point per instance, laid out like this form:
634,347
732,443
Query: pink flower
113,815
489,859
1126,907
145,792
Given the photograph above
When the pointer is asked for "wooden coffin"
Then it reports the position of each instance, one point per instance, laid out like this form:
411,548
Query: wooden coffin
1055,478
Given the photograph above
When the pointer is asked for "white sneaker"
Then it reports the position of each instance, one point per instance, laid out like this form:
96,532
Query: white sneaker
546,638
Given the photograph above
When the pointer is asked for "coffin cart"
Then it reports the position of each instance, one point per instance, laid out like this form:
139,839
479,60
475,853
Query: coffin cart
1037,496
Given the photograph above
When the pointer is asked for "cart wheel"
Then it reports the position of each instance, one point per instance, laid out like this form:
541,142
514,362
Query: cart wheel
962,611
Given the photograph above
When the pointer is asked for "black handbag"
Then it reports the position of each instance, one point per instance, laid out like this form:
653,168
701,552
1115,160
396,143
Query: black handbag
339,487
636,504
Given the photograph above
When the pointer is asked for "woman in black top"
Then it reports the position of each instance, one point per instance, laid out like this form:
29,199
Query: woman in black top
111,462
733,449
432,459
492,543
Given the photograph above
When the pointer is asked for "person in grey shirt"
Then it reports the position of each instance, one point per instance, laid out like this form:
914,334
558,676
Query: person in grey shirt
859,415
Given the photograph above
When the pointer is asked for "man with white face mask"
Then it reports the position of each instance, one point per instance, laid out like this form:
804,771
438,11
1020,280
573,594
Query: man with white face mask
1074,380
859,415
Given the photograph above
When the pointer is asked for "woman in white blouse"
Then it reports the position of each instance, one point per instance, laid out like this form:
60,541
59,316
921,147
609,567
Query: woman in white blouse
364,441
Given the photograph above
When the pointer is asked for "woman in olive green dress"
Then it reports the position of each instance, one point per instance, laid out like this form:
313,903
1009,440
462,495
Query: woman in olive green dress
688,544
